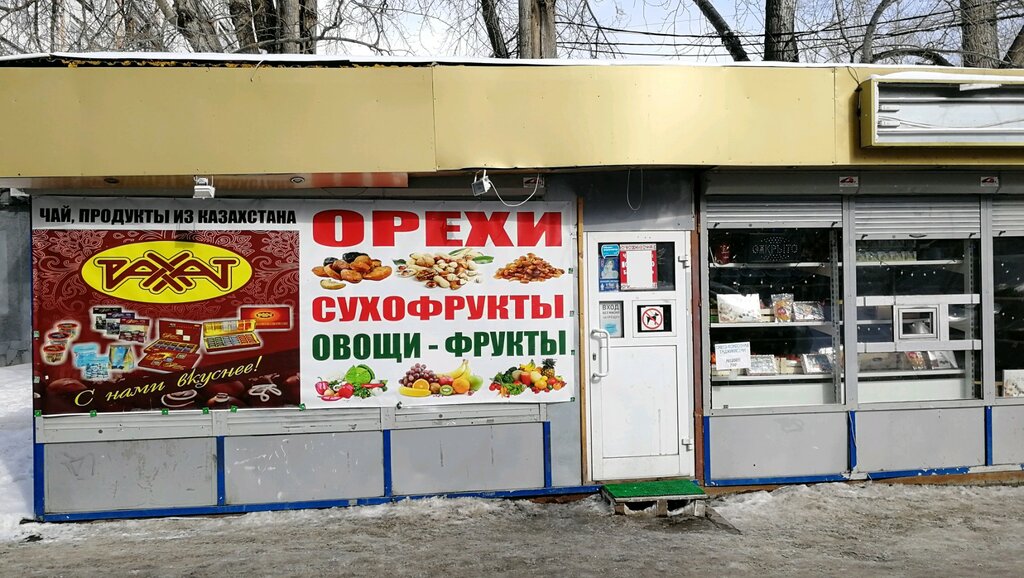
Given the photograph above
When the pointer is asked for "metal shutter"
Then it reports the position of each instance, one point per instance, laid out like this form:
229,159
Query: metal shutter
1008,216
769,211
917,217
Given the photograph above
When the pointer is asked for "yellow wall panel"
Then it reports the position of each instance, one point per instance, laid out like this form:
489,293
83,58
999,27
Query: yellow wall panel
633,115
166,121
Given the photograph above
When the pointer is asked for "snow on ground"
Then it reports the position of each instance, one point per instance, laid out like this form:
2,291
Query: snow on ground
860,529
15,448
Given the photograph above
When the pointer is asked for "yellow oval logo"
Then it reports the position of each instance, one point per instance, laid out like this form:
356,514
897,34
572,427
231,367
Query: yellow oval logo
167,272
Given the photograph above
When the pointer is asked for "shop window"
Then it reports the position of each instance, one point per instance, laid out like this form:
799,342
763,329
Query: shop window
1008,267
775,319
918,310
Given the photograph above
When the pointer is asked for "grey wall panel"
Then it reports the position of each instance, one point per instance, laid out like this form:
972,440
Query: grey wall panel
130,475
920,439
1008,434
769,446
648,200
15,285
469,458
566,452
293,468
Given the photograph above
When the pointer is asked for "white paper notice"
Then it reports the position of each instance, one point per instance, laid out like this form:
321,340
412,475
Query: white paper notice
638,269
611,318
732,355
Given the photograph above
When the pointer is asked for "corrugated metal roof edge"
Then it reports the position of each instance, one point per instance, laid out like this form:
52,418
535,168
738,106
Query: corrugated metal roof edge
311,60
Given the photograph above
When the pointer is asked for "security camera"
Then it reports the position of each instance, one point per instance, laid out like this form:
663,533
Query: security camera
203,189
481,185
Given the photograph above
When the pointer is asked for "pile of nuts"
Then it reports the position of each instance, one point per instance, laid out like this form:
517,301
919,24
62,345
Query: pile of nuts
451,271
337,272
528,268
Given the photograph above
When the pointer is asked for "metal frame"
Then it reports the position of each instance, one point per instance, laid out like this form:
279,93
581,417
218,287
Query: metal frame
834,267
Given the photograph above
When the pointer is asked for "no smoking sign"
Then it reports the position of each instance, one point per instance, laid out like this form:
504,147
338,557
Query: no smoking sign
654,318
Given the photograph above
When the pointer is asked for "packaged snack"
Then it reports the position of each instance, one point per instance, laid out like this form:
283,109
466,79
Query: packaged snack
816,363
122,358
763,365
133,330
915,359
808,311
99,316
782,307
734,308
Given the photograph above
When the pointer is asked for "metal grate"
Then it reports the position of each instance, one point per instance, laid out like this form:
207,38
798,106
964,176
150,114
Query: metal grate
774,212
917,217
1008,216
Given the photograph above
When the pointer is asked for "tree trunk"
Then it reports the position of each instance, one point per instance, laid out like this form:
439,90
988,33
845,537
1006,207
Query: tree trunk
779,42
241,17
729,39
195,24
264,19
493,25
1015,55
979,42
288,13
537,29
307,26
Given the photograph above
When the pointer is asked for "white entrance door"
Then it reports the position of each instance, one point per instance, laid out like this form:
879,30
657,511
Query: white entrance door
639,350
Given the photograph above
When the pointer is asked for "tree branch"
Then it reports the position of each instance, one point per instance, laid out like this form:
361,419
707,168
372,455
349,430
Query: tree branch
867,45
729,39
928,54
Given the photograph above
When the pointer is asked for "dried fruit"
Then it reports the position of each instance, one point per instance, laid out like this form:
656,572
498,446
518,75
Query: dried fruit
528,268
378,273
331,284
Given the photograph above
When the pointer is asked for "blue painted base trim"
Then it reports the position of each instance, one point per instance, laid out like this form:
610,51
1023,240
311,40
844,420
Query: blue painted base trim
547,453
916,473
988,436
852,440
779,481
222,494
245,508
38,479
707,450
387,463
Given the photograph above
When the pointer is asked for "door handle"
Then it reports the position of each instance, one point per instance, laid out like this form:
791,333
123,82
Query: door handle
602,338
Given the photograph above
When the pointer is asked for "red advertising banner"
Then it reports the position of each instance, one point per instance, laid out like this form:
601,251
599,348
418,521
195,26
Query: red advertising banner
150,320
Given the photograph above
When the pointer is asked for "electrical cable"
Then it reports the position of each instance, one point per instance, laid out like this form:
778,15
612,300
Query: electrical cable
628,201
536,185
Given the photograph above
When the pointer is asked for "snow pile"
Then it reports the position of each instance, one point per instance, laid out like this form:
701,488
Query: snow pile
15,449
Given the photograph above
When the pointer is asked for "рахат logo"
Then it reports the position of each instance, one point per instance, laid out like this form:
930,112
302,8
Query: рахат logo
166,272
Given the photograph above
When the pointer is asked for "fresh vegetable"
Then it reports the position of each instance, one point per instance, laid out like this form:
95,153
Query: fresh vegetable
358,382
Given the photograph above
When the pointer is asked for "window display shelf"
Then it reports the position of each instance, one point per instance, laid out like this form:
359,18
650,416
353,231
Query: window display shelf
808,264
911,373
919,345
781,377
921,263
890,300
767,324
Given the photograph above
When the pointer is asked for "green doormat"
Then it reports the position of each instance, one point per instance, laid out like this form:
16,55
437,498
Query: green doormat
654,489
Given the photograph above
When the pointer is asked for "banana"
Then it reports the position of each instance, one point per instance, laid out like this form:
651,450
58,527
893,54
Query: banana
459,371
412,392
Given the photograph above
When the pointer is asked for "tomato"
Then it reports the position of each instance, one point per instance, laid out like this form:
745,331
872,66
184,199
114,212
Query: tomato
346,391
